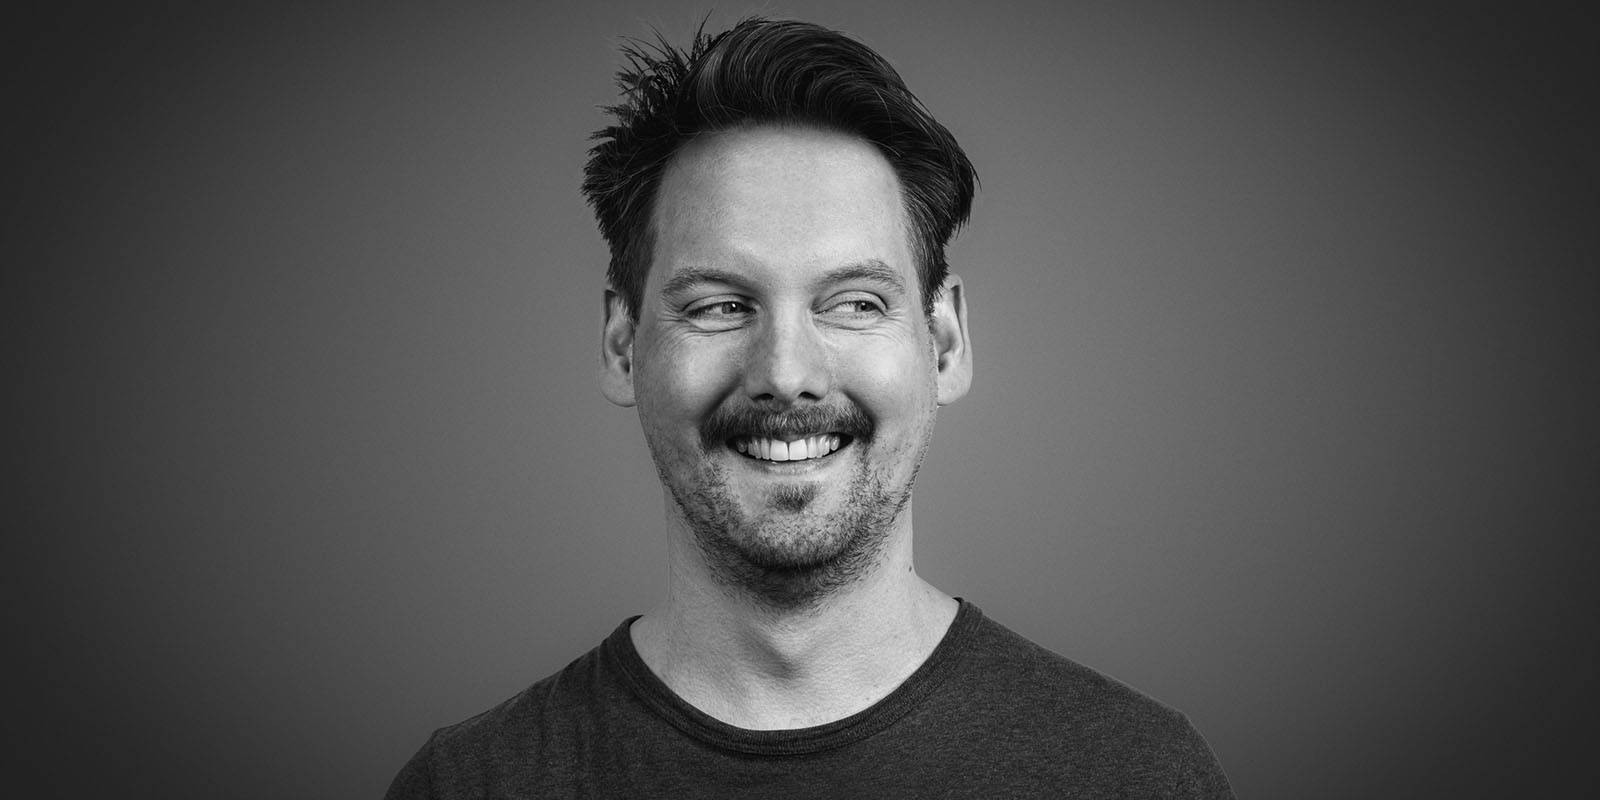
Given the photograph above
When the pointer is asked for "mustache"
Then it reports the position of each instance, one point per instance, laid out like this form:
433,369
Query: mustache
726,423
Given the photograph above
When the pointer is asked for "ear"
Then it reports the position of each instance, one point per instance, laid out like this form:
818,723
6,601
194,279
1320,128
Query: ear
616,351
952,344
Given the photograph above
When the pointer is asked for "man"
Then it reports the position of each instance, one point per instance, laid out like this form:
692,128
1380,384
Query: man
780,313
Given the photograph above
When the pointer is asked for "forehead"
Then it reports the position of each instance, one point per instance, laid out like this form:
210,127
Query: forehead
783,200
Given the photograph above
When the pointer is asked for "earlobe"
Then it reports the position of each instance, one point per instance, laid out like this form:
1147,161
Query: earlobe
951,341
616,351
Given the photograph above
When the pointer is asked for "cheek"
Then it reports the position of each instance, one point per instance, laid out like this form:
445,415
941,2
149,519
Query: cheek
679,381
890,381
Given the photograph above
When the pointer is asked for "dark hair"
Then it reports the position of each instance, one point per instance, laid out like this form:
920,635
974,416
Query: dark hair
764,71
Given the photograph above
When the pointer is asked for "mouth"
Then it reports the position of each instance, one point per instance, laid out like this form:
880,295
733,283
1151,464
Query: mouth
805,448
792,439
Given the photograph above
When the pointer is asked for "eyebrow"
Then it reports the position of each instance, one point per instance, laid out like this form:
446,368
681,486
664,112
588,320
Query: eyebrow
872,269
690,277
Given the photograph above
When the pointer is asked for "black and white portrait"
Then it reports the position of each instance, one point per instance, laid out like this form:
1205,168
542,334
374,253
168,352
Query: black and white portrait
374,364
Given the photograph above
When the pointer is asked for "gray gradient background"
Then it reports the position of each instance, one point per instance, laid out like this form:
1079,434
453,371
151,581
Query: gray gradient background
1283,411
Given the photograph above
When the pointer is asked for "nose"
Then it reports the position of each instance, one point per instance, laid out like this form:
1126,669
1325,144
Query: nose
787,364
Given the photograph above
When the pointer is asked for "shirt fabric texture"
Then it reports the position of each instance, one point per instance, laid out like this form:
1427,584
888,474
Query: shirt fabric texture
989,714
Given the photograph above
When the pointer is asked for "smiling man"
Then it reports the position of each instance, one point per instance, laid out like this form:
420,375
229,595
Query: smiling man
780,313
786,372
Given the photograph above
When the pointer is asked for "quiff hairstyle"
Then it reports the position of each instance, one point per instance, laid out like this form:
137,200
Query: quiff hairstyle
775,72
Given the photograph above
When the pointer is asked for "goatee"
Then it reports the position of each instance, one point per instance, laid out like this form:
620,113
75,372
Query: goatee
789,555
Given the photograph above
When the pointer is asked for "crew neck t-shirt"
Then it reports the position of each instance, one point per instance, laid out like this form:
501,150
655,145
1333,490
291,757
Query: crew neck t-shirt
988,714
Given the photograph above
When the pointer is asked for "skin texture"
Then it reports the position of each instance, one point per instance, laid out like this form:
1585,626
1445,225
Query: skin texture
782,301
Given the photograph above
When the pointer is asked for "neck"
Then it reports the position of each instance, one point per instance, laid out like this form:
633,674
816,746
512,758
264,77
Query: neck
756,666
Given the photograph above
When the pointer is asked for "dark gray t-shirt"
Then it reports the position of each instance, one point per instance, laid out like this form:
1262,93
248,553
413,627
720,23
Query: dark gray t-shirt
989,714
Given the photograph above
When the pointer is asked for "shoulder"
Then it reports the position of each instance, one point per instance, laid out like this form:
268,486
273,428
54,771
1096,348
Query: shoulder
1004,664
494,748
1056,710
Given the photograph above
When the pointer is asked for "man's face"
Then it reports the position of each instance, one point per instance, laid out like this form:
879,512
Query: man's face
786,374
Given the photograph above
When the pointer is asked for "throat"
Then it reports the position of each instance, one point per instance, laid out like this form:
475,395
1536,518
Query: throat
766,673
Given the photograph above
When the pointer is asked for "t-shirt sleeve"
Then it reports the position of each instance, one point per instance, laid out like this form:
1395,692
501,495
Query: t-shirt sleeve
415,780
1198,775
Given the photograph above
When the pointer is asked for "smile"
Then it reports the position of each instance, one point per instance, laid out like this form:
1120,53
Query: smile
768,449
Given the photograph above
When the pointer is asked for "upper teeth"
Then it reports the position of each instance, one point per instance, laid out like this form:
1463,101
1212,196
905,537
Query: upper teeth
779,450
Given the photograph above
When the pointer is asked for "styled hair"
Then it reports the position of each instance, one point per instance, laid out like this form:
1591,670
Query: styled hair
766,71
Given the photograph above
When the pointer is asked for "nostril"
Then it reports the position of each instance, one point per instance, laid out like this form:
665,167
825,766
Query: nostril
786,368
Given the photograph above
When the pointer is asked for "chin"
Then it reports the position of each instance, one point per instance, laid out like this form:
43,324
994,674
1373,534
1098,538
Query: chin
788,567
788,560
787,544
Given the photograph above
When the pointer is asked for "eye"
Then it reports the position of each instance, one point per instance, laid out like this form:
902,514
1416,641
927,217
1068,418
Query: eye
721,308
855,307
719,313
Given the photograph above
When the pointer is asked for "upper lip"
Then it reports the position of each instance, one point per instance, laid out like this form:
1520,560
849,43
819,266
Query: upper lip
727,425
785,434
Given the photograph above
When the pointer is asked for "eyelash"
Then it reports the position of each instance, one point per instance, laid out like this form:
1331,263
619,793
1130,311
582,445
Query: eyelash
724,309
873,307
708,309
